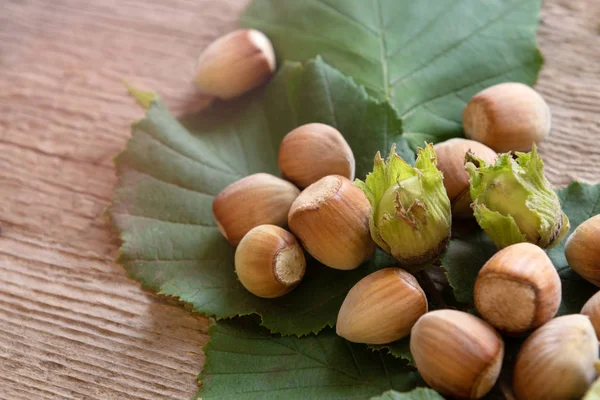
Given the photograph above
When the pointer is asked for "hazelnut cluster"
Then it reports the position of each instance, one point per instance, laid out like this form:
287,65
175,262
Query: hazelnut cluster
407,211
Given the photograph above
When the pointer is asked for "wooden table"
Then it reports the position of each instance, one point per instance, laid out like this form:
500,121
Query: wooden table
72,325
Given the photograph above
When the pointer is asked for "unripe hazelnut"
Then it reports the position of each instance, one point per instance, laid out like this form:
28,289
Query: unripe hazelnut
313,151
507,117
583,250
514,202
456,353
254,200
410,210
235,64
381,308
331,220
269,261
518,289
451,161
557,360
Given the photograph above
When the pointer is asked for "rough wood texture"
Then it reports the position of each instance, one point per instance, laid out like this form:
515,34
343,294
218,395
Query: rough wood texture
72,326
569,36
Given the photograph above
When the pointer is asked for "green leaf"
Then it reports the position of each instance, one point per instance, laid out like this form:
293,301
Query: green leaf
426,57
244,362
469,251
463,259
416,394
398,349
171,171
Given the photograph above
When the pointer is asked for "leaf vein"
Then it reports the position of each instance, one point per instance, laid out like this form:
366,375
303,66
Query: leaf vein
165,220
270,390
496,75
421,31
169,183
347,17
330,99
595,205
204,164
485,25
312,358
387,374
382,51
354,360
293,369
306,34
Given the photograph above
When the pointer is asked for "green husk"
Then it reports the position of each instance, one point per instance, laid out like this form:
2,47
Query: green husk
410,210
514,202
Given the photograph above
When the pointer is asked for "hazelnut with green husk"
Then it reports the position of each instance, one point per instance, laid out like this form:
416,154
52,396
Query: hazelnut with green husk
410,210
514,202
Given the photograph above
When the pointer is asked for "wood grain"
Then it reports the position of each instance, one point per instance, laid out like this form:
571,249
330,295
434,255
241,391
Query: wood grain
569,36
72,325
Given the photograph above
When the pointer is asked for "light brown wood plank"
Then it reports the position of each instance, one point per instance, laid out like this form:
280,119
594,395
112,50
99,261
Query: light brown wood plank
72,325
569,37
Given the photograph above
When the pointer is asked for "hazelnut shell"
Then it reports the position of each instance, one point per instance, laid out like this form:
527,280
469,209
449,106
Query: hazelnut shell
518,289
331,220
592,309
381,308
507,117
557,360
269,262
451,161
582,250
457,353
313,151
254,200
235,64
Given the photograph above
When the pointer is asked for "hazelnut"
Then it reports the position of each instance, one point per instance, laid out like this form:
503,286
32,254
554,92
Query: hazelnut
507,117
583,250
518,289
313,151
235,64
331,220
557,360
381,308
457,353
269,261
592,309
451,161
254,200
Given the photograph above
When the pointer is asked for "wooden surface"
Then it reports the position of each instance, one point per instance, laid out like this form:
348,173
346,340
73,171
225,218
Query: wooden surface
72,326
